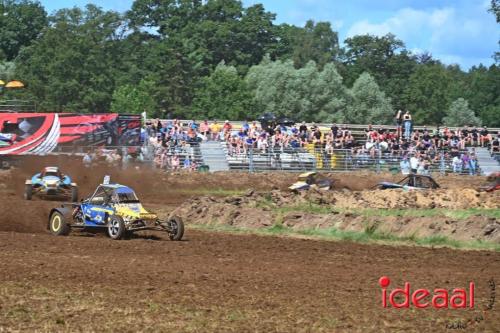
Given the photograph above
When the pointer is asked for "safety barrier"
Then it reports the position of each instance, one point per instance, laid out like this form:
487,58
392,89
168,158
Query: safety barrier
308,158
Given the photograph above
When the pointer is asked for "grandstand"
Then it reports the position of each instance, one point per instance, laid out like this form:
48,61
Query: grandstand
308,157
181,146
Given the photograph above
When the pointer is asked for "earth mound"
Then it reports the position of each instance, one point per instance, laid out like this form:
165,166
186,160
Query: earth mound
431,212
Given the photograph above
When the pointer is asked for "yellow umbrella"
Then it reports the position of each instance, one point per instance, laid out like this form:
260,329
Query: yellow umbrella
2,83
14,84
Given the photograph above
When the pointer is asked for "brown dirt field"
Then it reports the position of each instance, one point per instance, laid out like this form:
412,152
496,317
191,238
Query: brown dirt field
228,283
218,282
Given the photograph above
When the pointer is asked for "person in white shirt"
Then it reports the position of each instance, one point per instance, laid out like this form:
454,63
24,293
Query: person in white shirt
457,164
414,164
405,166
421,167
87,160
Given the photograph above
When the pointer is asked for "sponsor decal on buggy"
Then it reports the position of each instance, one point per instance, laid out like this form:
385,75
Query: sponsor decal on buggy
99,209
134,210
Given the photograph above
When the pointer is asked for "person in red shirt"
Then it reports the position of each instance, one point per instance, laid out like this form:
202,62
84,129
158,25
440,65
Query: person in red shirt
205,128
390,136
227,126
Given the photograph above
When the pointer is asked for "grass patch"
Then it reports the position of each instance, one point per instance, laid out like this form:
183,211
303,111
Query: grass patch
371,228
458,214
369,235
441,240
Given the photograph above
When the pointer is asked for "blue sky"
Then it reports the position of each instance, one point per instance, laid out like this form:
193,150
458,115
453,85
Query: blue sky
454,31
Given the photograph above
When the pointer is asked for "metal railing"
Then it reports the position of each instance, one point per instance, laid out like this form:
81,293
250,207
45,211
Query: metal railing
17,105
355,128
335,160
253,160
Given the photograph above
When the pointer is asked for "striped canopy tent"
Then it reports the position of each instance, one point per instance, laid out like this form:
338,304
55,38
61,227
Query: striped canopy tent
14,84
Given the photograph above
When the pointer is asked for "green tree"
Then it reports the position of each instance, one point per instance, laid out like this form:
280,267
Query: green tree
427,94
369,104
286,38
216,30
385,58
268,82
282,89
368,53
495,9
176,73
316,42
223,95
483,93
21,22
6,74
132,99
192,38
457,82
301,94
73,65
329,95
7,70
459,114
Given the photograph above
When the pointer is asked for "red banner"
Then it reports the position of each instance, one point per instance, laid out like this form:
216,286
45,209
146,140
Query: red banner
41,133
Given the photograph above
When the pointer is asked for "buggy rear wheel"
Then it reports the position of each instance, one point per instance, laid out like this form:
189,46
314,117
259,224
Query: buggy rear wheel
116,228
175,228
28,191
74,194
58,225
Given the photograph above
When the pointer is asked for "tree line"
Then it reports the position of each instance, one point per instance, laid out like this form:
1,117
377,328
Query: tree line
219,59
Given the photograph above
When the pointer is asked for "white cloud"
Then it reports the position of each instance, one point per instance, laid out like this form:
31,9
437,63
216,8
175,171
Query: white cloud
454,35
406,23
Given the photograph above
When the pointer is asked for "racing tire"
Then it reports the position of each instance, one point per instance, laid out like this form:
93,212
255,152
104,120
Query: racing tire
176,230
74,194
58,225
116,228
28,191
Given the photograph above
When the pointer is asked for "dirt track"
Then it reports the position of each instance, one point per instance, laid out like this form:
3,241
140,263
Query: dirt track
216,282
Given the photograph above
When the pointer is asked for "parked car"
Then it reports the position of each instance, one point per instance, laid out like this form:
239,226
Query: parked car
310,180
493,183
411,182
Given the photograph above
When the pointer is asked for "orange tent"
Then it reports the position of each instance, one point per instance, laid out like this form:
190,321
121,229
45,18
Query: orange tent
14,84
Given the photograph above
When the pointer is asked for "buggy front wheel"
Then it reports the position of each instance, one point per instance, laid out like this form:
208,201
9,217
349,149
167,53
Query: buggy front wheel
116,228
58,225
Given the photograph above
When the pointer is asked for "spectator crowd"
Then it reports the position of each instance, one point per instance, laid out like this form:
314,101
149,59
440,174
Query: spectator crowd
174,144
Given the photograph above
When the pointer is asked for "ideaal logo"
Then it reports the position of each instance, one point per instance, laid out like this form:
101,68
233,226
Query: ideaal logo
459,298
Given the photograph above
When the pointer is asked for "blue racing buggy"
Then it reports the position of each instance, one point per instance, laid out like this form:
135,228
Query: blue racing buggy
114,208
51,182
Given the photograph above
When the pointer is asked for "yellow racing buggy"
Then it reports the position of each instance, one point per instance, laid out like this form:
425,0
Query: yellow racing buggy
114,208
